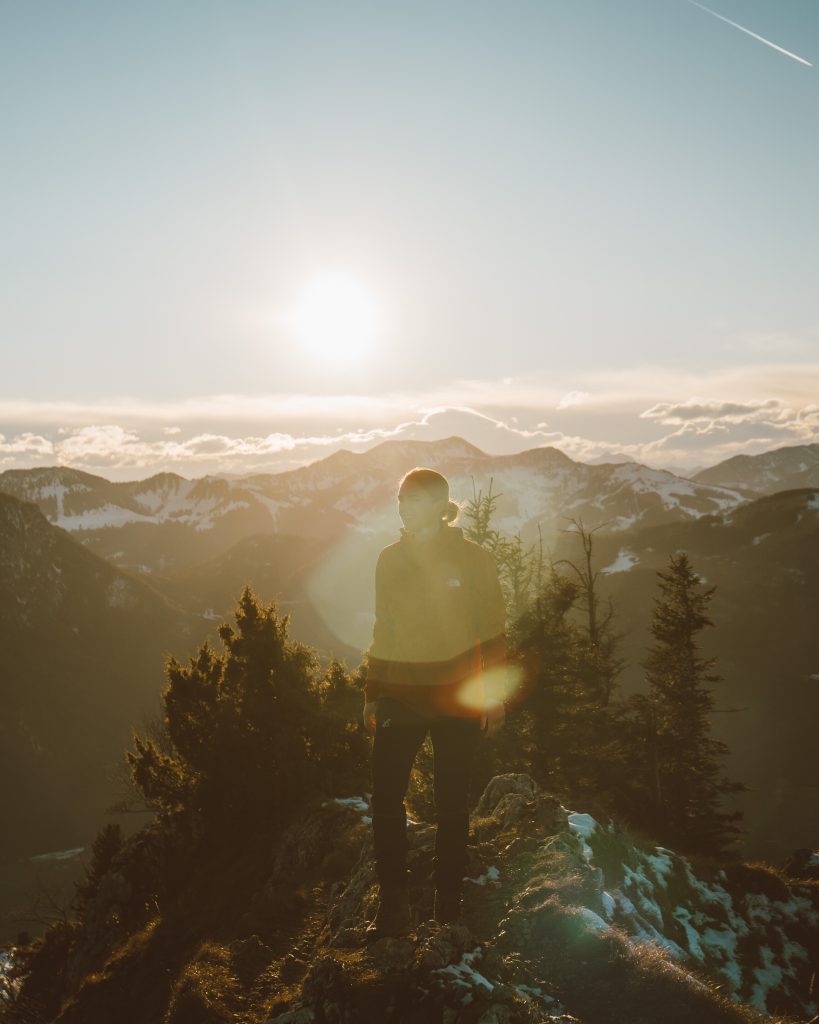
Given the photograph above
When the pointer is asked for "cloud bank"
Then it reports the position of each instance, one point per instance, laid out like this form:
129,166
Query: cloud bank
671,420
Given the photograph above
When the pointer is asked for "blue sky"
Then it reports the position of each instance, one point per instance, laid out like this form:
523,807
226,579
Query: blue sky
591,224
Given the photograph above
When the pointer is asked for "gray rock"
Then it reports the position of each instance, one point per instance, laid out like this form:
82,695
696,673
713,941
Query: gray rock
303,1015
501,785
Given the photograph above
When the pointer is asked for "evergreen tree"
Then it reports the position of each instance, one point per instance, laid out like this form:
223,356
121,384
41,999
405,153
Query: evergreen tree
683,772
561,729
253,732
107,844
547,644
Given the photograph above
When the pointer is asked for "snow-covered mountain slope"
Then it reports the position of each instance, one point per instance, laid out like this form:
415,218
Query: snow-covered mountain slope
783,469
200,518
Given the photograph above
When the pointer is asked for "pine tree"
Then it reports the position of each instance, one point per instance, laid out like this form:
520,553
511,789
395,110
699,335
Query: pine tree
683,762
252,732
107,844
547,644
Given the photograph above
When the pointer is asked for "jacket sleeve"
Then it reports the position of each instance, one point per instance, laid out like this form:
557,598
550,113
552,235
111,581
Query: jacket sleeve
380,651
491,619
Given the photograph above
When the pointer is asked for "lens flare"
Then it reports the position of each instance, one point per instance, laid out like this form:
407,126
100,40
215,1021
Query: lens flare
494,685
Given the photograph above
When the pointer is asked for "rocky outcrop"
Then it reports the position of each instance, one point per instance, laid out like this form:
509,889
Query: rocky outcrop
564,919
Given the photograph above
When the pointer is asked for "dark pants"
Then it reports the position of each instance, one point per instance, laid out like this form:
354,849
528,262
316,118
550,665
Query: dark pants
398,737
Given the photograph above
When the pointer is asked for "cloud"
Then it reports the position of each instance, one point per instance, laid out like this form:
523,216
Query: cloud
698,410
26,444
573,398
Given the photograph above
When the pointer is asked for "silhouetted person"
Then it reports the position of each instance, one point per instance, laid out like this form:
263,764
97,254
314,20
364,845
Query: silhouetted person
439,626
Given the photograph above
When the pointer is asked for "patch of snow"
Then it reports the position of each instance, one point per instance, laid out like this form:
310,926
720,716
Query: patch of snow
624,522
354,802
684,916
768,976
583,826
608,904
490,875
641,891
463,973
760,538
102,517
625,560
662,865
594,921
642,930
58,854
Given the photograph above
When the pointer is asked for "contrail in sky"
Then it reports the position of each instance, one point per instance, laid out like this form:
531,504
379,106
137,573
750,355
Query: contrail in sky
767,42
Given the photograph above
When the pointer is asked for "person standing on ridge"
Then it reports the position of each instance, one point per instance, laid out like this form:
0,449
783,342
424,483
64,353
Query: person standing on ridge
436,664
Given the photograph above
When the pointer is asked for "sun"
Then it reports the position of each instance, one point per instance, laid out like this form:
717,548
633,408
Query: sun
335,317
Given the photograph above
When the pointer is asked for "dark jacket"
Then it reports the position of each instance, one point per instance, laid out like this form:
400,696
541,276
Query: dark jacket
439,624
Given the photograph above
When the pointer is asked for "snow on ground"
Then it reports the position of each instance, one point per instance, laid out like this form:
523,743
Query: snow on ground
624,522
814,502
674,491
214,510
760,538
58,854
625,560
171,500
357,803
582,825
490,875
464,974
751,941
104,516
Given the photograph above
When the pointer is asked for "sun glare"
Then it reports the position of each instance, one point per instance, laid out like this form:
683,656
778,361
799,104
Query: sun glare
335,317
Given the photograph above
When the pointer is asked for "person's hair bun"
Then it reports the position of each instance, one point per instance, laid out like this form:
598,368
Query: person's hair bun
453,510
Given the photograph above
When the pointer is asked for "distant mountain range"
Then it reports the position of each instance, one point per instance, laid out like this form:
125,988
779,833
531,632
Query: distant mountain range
168,523
99,579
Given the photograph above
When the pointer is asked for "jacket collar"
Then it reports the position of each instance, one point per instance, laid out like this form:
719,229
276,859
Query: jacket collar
446,535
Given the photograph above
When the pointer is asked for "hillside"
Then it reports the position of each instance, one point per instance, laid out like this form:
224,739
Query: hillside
83,647
566,919
783,469
763,558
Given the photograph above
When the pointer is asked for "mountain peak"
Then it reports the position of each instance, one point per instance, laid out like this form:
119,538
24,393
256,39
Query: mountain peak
445,447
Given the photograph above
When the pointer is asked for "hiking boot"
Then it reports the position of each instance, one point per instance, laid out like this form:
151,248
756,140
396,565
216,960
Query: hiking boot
393,915
447,909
